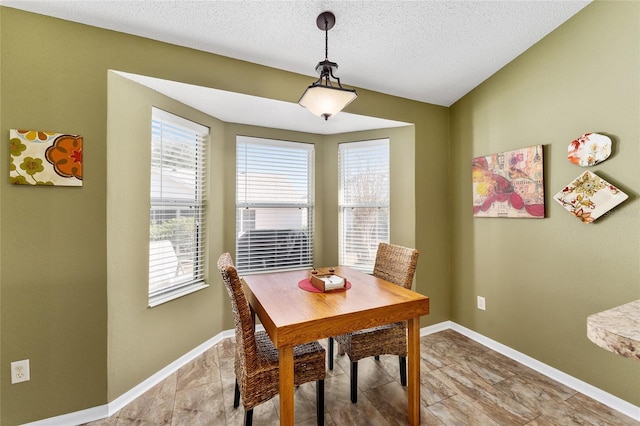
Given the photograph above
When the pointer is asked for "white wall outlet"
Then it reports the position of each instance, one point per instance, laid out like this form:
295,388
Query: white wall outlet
20,371
481,304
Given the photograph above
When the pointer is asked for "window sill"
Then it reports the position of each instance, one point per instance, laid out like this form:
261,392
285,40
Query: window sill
169,296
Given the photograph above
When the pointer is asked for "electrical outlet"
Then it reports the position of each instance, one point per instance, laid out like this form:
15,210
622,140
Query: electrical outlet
20,371
481,304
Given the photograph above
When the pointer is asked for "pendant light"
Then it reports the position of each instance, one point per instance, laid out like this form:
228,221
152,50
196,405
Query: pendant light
324,98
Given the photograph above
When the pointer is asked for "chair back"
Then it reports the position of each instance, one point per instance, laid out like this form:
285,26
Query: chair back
246,348
396,264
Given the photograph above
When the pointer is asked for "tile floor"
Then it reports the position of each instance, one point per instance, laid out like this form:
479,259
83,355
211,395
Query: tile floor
463,383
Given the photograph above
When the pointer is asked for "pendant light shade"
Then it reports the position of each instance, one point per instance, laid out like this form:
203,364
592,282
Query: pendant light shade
325,98
325,101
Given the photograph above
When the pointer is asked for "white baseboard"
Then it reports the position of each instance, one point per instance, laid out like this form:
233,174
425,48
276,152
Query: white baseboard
441,326
103,411
75,418
107,410
128,397
593,392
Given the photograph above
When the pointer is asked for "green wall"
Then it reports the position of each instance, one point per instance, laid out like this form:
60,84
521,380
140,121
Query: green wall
63,298
137,344
542,278
73,297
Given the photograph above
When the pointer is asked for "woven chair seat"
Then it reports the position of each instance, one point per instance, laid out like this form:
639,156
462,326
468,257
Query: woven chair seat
256,359
395,264
388,339
262,383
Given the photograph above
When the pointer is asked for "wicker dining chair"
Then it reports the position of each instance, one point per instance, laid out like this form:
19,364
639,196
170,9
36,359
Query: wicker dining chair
395,264
256,359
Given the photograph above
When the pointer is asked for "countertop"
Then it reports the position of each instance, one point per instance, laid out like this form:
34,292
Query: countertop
617,329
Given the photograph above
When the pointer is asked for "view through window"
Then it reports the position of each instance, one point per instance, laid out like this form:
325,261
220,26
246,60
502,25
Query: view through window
178,205
274,204
363,201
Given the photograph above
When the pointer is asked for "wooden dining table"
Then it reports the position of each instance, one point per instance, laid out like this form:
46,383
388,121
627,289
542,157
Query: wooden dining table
292,315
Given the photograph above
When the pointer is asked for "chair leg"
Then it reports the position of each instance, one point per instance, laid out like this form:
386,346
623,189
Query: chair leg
354,382
330,353
248,417
403,370
320,402
236,395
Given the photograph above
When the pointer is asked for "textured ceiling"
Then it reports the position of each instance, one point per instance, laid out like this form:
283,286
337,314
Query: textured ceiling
430,51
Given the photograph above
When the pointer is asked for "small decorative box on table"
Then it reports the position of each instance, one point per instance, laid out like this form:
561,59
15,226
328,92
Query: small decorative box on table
328,282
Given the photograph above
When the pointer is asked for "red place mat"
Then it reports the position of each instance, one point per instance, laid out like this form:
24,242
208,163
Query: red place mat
306,285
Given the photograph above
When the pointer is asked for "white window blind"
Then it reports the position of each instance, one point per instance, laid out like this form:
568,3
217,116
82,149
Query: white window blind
274,204
363,169
178,204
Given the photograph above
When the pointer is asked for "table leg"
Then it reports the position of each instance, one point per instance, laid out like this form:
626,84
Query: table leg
413,370
285,359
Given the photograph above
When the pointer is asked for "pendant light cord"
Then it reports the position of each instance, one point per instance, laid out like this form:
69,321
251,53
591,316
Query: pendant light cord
326,39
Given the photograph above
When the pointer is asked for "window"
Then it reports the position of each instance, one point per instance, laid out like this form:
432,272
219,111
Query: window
363,169
274,204
178,204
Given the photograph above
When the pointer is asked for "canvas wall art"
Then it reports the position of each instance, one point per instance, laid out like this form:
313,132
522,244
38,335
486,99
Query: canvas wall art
509,184
45,158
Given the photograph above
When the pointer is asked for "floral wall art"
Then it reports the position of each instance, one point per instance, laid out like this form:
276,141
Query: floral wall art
45,158
589,149
589,196
509,184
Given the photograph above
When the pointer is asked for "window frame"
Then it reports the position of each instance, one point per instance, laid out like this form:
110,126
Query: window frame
348,202
277,172
188,202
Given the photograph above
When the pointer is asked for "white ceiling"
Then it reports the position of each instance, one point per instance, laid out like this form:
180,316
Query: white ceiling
245,109
430,51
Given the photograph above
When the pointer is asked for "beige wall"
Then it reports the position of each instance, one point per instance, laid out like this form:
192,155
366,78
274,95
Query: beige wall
542,278
73,296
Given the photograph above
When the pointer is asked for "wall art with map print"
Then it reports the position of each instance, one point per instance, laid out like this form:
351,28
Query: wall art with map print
509,184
